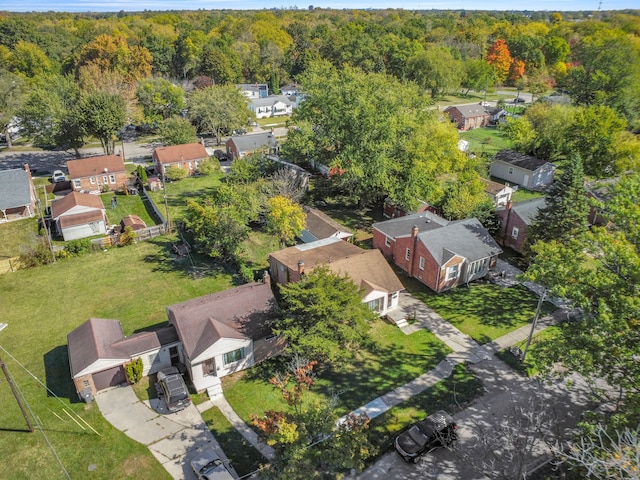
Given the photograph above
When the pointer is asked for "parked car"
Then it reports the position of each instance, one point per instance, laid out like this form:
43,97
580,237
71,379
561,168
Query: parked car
208,466
239,131
220,155
437,430
58,176
518,100
173,389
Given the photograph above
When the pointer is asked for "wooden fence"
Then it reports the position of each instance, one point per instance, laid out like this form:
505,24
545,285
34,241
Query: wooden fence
9,264
141,235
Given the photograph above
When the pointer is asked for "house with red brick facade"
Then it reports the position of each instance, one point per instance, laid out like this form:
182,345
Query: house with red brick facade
467,117
97,174
186,156
515,219
367,269
439,253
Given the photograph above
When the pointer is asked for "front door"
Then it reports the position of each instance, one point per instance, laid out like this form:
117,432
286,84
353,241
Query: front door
174,355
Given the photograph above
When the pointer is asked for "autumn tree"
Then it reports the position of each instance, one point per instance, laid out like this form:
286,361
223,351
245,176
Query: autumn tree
285,219
500,59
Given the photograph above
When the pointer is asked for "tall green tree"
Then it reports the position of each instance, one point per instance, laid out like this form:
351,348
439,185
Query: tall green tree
160,99
436,70
324,316
104,115
11,98
177,131
285,219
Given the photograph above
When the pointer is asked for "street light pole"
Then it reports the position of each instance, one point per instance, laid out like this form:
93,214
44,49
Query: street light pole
7,375
533,324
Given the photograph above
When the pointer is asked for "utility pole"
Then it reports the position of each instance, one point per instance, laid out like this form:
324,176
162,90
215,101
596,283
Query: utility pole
166,204
533,324
44,224
7,375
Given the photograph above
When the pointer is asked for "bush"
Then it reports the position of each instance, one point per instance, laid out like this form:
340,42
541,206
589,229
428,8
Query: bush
209,166
127,237
79,247
175,173
40,255
134,370
141,173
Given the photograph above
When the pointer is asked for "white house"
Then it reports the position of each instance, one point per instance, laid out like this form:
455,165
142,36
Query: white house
524,170
271,106
79,215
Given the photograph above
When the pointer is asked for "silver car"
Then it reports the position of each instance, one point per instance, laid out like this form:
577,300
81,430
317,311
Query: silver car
208,466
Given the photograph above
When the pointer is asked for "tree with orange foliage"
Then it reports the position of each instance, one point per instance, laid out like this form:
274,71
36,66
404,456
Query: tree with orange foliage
499,58
517,70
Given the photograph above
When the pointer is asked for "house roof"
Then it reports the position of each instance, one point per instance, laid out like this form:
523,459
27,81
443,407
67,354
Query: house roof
92,166
519,160
101,338
492,187
321,225
369,271
81,218
252,142
528,209
180,153
315,253
466,238
242,312
402,226
270,100
469,111
15,188
75,199
133,221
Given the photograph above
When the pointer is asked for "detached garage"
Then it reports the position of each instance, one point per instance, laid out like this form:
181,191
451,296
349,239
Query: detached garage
79,215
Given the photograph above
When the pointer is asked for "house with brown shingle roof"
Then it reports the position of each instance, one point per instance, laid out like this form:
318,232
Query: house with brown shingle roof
226,331
186,156
98,351
79,215
366,268
319,225
467,117
499,194
97,174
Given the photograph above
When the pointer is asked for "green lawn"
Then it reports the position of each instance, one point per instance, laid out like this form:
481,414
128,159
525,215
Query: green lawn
482,311
529,366
523,194
486,141
129,205
258,247
242,455
18,235
132,284
391,360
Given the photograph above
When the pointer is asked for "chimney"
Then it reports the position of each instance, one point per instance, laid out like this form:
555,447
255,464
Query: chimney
414,231
26,168
509,204
266,278
301,267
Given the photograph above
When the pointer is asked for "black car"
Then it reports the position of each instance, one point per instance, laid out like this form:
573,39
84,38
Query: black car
518,100
173,389
220,155
437,430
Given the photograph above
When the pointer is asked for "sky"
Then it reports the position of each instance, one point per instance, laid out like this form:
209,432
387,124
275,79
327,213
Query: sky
139,5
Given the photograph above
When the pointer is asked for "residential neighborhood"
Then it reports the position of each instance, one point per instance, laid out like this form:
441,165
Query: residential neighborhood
319,243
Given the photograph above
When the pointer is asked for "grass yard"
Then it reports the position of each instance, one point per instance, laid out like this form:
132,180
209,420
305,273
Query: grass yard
391,360
486,141
242,455
17,235
132,284
529,367
129,205
180,191
482,311
451,394
258,247
523,194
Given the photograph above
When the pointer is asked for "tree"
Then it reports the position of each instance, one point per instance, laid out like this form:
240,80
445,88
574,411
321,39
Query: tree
564,216
499,58
219,109
29,60
160,99
177,131
436,70
174,173
285,219
11,98
478,75
324,316
104,115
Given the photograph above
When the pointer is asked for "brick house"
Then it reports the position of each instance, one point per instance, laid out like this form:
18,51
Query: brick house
439,253
239,146
515,219
97,174
467,117
186,156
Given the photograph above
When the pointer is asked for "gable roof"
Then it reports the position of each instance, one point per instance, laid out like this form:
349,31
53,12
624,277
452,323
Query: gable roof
270,100
242,312
493,187
74,199
92,166
466,238
369,271
320,225
315,253
528,209
519,160
253,141
81,218
180,153
101,338
469,111
15,188
402,226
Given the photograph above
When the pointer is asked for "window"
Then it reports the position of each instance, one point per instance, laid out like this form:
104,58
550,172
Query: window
112,179
234,356
95,228
387,241
407,254
375,305
421,266
452,272
209,366
510,170
92,180
190,165
514,233
477,267
77,184
104,179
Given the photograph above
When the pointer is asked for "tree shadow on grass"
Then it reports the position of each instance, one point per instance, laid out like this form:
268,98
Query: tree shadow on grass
57,377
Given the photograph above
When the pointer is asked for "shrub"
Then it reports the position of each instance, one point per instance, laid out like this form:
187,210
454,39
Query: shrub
209,166
79,247
40,255
175,173
141,173
134,370
127,237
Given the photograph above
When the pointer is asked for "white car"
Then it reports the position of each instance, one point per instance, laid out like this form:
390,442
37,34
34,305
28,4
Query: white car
208,466
58,176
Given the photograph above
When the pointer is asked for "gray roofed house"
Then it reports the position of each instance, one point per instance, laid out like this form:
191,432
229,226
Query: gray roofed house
17,194
319,225
439,253
468,117
516,218
271,106
239,146
524,170
226,331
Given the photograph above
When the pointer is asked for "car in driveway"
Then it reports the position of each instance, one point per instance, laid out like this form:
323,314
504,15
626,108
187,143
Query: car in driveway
437,430
207,465
518,100
173,389
58,176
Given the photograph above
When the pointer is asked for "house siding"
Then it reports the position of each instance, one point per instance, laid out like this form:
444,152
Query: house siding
535,179
85,184
509,220
467,123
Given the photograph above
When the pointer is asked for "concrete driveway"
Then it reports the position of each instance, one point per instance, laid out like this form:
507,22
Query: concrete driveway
174,439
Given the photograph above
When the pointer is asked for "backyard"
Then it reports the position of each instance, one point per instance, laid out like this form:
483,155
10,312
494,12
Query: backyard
486,141
132,284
